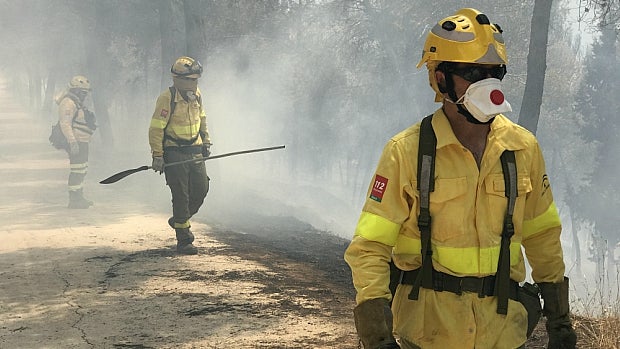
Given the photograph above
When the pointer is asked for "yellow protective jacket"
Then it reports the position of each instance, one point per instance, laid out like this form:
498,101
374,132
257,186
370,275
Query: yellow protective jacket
187,122
75,130
467,209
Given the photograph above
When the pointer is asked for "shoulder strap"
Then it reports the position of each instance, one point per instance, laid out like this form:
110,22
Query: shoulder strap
77,103
502,277
75,100
173,102
426,184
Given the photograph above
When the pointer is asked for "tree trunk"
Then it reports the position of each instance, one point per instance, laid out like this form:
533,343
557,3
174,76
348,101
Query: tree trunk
576,243
48,99
97,66
195,14
173,36
536,65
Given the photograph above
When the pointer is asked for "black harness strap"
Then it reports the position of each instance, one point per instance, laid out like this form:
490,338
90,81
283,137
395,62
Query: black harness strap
502,279
74,123
173,105
426,184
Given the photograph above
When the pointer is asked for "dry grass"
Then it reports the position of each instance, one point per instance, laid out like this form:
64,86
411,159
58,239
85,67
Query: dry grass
603,333
597,322
592,333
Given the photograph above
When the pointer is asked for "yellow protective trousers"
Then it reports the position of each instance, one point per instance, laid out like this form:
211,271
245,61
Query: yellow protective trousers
79,168
439,320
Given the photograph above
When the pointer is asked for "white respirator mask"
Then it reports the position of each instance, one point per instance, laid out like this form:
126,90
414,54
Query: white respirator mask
484,99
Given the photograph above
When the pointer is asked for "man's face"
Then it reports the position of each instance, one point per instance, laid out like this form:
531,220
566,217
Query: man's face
184,83
465,74
81,93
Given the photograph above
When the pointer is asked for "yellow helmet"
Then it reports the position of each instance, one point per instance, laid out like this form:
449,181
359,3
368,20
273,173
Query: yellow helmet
465,37
186,67
79,82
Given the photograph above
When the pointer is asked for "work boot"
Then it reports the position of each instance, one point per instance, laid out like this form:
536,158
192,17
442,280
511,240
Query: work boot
90,203
184,241
76,200
188,232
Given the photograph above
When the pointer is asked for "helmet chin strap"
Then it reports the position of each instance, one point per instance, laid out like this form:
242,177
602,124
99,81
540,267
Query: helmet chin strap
452,93
470,117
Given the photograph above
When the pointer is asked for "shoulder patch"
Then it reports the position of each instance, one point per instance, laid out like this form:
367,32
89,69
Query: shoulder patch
378,188
164,113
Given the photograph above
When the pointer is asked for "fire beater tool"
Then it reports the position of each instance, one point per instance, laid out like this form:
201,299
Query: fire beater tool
117,177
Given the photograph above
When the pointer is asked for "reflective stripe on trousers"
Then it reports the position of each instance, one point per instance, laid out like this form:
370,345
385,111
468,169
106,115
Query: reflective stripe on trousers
78,168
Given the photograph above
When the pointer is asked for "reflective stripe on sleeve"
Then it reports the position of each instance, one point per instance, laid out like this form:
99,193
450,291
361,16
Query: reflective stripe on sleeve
376,228
549,219
159,123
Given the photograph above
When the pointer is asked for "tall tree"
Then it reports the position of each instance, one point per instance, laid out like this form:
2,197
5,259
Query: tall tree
173,36
536,65
95,25
598,103
195,16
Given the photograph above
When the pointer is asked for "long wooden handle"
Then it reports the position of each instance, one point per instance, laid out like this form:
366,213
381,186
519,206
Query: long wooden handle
118,176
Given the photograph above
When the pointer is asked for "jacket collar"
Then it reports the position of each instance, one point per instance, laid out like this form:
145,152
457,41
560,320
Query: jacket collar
503,132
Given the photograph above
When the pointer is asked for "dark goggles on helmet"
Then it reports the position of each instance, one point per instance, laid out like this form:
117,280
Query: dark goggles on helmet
474,72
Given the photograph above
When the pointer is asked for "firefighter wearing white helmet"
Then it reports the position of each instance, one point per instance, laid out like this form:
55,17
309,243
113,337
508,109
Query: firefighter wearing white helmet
77,124
446,251
178,132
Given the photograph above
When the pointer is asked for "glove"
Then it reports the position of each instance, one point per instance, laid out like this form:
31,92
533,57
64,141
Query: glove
206,150
158,164
556,309
74,148
373,321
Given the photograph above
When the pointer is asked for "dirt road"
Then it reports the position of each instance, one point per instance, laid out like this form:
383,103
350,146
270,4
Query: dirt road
108,277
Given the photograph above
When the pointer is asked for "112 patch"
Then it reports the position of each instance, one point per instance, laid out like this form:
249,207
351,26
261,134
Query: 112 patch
378,188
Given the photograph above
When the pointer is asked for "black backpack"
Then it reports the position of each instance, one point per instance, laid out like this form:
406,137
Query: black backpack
57,138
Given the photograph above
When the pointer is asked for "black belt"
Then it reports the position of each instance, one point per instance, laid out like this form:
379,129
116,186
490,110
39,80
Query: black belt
484,286
194,149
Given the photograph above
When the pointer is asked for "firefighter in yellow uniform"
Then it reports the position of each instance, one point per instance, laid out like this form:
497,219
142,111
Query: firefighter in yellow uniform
178,132
77,124
466,61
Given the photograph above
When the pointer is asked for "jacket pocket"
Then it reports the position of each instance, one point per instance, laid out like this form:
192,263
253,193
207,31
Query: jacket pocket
447,205
498,202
